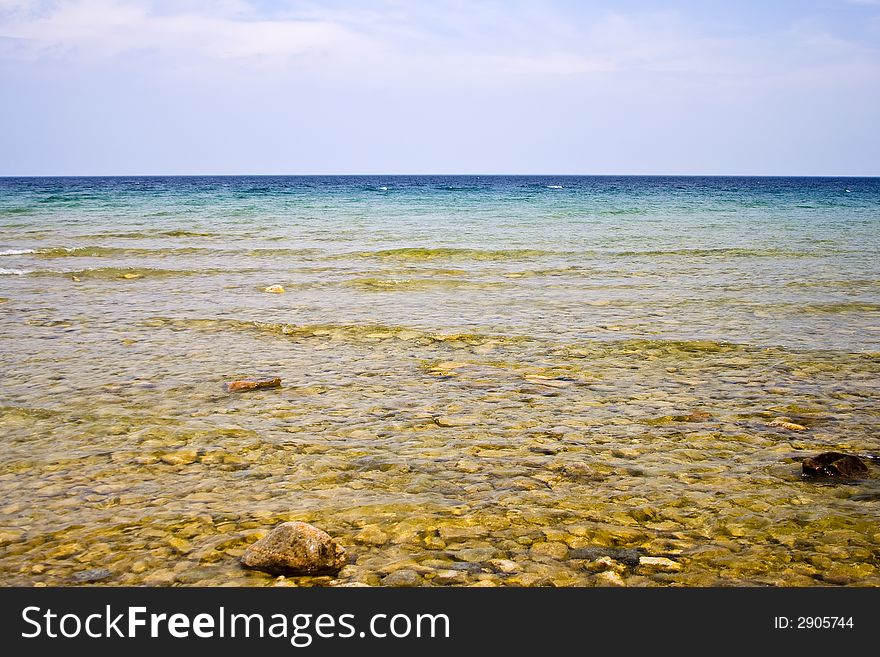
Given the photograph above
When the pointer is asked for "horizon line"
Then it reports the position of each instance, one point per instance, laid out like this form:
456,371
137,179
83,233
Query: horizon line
437,175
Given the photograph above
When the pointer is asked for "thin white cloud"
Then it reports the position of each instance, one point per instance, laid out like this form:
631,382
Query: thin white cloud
101,28
451,41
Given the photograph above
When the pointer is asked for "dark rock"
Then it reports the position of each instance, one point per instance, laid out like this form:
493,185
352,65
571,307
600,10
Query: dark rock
253,384
834,464
93,575
466,566
628,556
295,548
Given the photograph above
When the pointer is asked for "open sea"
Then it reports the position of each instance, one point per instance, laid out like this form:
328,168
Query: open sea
487,380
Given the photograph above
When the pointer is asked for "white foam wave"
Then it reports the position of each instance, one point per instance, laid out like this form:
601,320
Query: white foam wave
14,272
10,252
554,186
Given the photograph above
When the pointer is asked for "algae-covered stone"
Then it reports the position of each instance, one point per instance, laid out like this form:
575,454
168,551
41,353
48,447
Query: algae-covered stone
295,548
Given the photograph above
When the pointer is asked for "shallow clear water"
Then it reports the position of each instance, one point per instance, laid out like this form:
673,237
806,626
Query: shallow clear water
475,369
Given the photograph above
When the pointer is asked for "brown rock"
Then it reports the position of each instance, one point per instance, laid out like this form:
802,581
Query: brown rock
295,548
786,423
253,384
834,464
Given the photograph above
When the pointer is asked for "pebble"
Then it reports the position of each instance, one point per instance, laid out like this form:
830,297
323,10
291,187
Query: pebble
477,555
659,563
371,535
468,466
181,545
504,565
450,577
352,585
404,577
786,423
253,384
466,566
180,457
607,563
549,549
160,578
450,365
609,578
66,550
93,575
628,556
456,420
452,534
434,543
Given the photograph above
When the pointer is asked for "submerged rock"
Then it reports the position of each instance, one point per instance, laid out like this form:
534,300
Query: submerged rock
93,575
786,423
456,420
371,535
180,457
253,384
659,563
834,464
450,577
609,578
295,548
403,578
626,556
504,565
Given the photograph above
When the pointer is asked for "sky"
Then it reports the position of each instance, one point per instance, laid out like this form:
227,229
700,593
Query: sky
128,87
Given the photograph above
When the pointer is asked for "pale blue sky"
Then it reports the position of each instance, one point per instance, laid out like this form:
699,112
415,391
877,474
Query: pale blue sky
123,87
